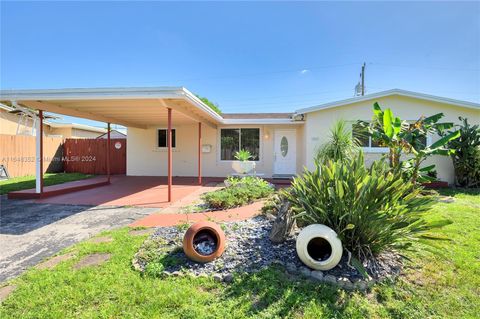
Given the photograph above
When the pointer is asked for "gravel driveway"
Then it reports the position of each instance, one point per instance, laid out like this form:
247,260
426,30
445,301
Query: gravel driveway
30,232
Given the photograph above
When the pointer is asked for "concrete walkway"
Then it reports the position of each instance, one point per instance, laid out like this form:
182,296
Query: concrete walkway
32,231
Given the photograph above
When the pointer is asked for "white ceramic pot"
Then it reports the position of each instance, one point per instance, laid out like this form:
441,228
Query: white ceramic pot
243,167
318,247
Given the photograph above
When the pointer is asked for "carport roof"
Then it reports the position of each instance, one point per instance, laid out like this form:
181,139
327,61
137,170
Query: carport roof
133,107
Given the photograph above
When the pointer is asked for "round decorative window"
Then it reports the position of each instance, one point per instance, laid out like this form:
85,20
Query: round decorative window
284,146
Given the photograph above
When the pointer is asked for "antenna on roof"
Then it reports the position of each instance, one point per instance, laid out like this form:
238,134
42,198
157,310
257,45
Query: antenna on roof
25,116
360,87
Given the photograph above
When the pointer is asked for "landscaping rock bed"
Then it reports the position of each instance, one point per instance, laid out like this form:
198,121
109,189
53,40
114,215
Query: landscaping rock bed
250,250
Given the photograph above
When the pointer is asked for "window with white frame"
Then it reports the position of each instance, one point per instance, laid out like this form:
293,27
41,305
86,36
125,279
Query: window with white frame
162,140
234,139
360,132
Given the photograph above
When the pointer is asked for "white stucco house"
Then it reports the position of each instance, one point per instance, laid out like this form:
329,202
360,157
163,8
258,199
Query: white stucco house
302,131
204,142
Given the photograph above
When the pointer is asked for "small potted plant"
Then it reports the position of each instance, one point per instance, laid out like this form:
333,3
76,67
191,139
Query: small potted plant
243,165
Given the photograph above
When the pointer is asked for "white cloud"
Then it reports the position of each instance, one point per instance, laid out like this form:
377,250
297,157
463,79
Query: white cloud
304,71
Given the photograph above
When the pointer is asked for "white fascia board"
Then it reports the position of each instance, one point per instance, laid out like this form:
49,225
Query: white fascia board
92,94
6,107
417,95
202,106
261,121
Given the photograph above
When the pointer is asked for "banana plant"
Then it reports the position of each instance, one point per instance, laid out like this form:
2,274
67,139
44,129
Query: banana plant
403,137
416,138
387,131
466,159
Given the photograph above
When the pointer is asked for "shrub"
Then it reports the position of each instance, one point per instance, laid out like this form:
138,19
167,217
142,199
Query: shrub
466,159
371,209
273,203
239,192
212,105
154,269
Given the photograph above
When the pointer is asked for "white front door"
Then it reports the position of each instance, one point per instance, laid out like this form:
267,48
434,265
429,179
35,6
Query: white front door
285,152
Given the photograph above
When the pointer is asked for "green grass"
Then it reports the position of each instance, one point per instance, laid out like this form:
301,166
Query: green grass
26,182
445,286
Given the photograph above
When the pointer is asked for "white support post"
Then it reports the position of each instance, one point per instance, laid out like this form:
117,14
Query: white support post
38,157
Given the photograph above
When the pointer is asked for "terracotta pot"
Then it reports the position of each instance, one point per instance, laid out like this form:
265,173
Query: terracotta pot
206,235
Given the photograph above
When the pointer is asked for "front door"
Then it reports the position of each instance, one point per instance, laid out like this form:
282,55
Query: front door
285,152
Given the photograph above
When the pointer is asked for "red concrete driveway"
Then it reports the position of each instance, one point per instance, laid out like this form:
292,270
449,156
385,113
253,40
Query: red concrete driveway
143,191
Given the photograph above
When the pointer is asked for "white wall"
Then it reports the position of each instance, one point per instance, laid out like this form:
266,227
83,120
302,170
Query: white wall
318,124
145,159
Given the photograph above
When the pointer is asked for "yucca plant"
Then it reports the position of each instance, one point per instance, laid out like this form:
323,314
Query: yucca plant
372,209
243,155
341,144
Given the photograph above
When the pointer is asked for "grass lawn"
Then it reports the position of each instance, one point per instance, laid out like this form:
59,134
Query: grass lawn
445,286
26,182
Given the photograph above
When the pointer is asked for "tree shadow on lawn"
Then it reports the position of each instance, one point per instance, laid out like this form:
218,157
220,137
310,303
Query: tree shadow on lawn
283,295
457,191
48,180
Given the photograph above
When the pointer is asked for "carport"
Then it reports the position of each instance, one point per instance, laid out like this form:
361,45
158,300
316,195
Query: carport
130,107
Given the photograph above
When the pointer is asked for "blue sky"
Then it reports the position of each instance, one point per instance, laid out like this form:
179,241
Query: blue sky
249,56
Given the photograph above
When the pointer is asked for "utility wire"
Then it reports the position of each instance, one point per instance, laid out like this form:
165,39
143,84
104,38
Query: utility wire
270,72
287,96
422,67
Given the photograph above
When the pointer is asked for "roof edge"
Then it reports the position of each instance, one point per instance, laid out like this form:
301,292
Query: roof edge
109,93
78,126
400,92
260,121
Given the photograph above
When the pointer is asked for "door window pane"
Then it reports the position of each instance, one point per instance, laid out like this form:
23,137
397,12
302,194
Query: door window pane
284,146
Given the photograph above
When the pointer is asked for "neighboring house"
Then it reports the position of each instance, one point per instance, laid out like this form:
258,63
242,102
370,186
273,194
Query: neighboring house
282,143
74,130
9,125
113,134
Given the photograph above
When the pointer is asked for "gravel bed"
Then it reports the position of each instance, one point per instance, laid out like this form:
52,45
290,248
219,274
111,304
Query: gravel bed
249,250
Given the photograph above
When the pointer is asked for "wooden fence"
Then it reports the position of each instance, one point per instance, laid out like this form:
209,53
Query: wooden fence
17,154
89,156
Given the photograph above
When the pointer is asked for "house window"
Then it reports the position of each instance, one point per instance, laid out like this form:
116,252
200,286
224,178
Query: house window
162,140
234,139
366,142
361,134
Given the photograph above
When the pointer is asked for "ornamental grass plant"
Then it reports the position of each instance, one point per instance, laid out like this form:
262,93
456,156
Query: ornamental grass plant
372,209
